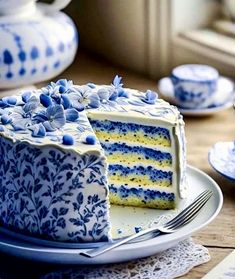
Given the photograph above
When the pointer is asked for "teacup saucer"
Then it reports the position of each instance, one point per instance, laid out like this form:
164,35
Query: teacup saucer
222,159
223,98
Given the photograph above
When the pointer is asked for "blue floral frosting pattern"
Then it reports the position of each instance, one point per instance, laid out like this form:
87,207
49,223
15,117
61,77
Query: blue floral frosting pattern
39,204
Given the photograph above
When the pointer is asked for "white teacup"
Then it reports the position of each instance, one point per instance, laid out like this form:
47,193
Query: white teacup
194,85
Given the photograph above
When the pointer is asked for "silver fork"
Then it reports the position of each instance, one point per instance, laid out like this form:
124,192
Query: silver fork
183,218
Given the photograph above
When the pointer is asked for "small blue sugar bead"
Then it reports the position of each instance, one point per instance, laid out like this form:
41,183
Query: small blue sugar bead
90,139
45,100
68,140
26,96
10,100
138,229
62,89
1,128
119,231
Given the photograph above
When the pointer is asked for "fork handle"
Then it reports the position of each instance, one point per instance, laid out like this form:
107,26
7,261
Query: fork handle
109,246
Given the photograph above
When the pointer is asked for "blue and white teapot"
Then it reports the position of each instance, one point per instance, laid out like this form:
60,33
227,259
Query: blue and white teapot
38,41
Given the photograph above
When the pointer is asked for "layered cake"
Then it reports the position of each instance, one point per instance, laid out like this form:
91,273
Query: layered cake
69,151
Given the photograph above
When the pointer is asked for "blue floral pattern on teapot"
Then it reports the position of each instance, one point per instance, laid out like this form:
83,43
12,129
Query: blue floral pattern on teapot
36,46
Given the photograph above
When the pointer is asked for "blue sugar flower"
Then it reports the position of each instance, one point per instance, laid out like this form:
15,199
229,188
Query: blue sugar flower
90,139
94,100
55,117
45,100
117,82
68,140
26,96
8,101
60,87
64,85
52,90
103,94
74,99
22,115
71,115
21,118
5,119
38,130
150,97
40,116
83,98
78,106
116,88
30,106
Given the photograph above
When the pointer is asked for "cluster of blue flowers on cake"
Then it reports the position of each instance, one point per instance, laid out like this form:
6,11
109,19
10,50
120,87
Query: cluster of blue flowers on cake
63,102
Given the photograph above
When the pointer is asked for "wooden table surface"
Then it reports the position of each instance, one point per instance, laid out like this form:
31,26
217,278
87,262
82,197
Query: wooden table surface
201,134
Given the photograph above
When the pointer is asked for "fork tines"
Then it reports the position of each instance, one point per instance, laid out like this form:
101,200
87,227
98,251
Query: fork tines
189,212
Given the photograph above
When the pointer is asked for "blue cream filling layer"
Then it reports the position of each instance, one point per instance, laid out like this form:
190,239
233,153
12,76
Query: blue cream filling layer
126,149
112,126
153,174
143,194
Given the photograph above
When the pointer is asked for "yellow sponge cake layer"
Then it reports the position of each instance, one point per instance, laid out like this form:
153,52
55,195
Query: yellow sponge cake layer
134,137
138,180
132,158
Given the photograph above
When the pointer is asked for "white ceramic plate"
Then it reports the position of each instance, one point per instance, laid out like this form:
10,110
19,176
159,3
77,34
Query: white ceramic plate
223,98
222,159
198,182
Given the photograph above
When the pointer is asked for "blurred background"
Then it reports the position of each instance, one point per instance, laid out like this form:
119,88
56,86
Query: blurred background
152,36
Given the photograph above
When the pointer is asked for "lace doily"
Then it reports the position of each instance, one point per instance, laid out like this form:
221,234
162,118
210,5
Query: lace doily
169,264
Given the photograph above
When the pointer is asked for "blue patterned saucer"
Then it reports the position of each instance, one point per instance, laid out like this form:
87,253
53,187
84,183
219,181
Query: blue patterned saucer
222,158
224,97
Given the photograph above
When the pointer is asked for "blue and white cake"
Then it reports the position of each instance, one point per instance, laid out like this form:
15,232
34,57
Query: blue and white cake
69,151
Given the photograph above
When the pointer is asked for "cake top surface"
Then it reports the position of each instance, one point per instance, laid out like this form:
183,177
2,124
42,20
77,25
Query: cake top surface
195,72
57,114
